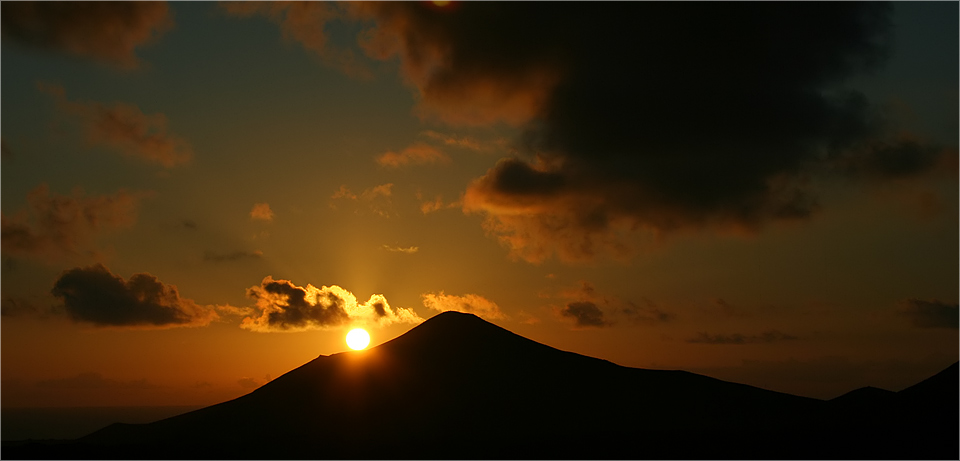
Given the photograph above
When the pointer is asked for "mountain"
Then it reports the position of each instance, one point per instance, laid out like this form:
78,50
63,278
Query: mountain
459,387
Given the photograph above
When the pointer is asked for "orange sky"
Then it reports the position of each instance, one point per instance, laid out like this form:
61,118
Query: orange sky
198,197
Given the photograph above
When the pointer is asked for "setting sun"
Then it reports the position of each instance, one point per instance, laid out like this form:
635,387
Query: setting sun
358,338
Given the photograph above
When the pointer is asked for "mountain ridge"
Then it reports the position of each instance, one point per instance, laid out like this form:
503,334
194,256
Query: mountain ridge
457,386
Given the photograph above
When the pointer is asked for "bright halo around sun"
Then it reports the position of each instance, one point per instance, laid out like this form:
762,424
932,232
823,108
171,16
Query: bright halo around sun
358,338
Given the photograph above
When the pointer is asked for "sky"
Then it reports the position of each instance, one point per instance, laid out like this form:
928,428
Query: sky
199,197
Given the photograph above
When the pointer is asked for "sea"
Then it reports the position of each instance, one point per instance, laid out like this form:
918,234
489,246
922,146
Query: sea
73,422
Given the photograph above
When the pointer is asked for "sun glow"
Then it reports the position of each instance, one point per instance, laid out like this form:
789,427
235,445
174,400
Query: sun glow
358,339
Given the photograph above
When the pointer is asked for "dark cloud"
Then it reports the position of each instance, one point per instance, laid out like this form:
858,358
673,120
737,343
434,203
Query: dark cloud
58,226
657,116
737,338
93,380
903,157
585,313
588,307
284,306
105,31
125,128
189,224
95,295
930,314
239,255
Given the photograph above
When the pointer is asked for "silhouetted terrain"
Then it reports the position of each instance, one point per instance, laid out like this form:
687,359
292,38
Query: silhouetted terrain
459,387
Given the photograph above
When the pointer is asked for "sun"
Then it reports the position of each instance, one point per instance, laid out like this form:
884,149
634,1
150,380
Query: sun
358,338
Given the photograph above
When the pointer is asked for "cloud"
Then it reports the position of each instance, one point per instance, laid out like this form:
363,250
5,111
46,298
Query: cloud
737,338
123,127
252,383
408,250
418,153
376,199
304,22
216,257
930,314
589,308
585,313
468,303
108,32
54,227
262,212
189,224
284,306
93,380
95,295
901,157
689,133
465,142
437,205
15,307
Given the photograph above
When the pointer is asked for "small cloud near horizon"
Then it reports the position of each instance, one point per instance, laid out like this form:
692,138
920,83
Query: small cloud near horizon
468,303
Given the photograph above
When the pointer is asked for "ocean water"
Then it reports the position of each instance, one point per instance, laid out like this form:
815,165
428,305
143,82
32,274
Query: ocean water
74,422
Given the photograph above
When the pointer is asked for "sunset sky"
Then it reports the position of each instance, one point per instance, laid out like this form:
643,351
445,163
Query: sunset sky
198,197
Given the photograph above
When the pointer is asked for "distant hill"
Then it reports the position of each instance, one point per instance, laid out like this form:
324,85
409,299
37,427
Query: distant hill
458,387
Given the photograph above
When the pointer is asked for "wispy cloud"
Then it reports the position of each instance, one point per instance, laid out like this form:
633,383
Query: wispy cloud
407,250
416,154
124,128
56,227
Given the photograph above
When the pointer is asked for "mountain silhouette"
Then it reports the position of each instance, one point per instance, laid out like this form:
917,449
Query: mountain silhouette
458,387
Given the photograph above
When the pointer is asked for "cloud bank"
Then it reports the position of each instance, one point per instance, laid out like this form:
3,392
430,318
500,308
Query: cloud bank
95,295
283,306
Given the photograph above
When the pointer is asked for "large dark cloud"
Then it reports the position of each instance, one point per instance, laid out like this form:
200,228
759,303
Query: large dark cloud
104,31
931,314
284,306
95,295
645,116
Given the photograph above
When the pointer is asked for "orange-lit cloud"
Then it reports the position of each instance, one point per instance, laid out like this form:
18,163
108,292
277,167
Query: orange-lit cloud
465,142
125,128
55,227
304,23
408,250
108,32
468,303
95,295
418,153
261,212
284,306
437,204
464,74
375,199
